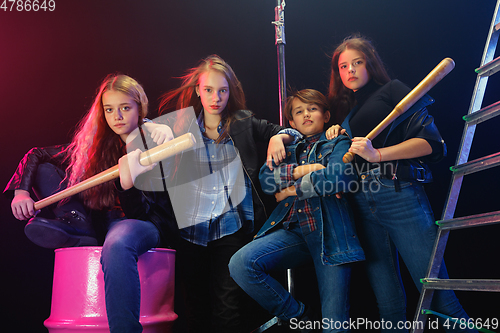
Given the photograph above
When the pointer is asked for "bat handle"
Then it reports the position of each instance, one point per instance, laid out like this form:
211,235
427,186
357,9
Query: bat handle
348,157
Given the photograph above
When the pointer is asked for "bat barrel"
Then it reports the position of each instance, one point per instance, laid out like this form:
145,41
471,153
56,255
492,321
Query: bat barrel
437,74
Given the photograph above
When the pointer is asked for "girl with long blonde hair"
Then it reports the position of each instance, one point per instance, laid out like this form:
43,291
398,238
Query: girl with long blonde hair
214,301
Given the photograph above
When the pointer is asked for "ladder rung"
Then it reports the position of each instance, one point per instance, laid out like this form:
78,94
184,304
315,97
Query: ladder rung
479,164
484,114
458,284
470,221
490,68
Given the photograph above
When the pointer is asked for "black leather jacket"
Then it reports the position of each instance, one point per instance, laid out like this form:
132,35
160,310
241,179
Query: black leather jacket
418,124
245,132
24,176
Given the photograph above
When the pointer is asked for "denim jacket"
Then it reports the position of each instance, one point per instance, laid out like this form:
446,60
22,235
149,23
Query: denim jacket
333,216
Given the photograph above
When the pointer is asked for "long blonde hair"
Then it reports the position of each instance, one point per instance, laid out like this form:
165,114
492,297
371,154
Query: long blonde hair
95,147
185,95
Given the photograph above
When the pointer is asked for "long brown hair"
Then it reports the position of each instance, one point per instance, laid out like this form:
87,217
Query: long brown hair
185,95
95,147
341,98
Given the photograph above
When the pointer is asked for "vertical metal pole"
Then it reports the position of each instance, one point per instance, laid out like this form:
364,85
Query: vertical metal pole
279,26
279,23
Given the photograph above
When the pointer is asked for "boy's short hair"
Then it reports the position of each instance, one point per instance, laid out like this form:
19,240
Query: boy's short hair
309,96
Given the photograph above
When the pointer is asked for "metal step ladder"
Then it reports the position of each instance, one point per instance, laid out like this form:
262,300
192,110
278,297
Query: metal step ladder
476,115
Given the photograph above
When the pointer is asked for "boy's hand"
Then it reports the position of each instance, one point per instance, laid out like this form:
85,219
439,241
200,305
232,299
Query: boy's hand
285,193
23,207
276,150
334,131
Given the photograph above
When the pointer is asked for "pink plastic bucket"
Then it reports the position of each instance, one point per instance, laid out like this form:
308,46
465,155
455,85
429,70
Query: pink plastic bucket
78,291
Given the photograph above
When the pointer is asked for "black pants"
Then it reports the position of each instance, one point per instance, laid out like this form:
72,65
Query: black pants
213,301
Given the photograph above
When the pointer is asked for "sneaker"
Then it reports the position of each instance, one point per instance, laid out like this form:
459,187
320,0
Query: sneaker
71,229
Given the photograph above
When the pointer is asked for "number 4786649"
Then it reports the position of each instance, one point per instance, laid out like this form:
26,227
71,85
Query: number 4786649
28,5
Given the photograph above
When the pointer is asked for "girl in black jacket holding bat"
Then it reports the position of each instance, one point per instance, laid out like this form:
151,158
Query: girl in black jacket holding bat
135,220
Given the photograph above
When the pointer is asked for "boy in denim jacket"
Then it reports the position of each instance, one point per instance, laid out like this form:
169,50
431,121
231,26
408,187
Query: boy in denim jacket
312,222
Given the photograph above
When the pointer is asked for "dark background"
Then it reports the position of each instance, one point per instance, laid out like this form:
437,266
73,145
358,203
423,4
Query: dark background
51,64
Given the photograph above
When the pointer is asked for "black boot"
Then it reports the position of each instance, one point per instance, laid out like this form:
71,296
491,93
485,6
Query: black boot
71,229
306,322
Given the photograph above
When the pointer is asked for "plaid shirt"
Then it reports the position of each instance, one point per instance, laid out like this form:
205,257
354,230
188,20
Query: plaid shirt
301,209
217,210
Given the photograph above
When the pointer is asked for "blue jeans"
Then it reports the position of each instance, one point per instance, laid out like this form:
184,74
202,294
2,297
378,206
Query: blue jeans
125,241
283,249
391,223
